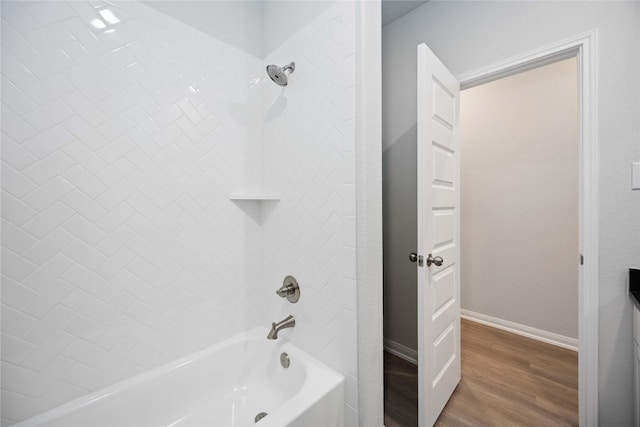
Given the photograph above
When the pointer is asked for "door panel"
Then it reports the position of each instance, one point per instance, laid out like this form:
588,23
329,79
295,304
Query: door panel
443,166
438,235
443,287
443,103
444,349
443,227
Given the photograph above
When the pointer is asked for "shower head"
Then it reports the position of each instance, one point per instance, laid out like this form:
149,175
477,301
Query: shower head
278,74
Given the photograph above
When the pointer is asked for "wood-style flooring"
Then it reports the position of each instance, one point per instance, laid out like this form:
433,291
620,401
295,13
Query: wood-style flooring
507,380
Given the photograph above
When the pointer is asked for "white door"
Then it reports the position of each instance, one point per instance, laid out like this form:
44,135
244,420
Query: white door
438,236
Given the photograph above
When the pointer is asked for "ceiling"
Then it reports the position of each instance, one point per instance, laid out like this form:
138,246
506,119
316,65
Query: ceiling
394,9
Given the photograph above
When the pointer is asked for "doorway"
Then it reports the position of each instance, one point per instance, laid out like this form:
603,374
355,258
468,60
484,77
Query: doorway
519,203
588,244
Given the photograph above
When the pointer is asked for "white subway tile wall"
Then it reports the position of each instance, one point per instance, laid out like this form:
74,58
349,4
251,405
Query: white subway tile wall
121,140
311,232
120,249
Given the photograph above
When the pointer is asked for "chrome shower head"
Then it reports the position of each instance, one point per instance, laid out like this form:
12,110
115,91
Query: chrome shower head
278,74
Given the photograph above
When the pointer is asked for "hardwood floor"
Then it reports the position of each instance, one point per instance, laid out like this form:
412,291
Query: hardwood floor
400,392
507,380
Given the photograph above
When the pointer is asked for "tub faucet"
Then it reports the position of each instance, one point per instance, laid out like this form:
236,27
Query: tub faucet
287,322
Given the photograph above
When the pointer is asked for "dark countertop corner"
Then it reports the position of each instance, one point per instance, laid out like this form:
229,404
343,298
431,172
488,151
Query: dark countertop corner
634,286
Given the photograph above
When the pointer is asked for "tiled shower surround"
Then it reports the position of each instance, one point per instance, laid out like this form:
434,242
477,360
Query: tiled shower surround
309,158
123,133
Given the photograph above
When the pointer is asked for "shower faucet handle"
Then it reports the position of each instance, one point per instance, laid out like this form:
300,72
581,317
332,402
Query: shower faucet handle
289,289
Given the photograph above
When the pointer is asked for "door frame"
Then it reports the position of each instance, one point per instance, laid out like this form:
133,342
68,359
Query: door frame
584,48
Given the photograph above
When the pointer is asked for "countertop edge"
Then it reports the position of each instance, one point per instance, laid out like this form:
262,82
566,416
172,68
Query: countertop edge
635,297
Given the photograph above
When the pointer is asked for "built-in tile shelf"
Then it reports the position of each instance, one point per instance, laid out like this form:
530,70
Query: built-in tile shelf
257,196
255,203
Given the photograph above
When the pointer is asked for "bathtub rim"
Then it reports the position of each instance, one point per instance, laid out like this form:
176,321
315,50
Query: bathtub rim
300,399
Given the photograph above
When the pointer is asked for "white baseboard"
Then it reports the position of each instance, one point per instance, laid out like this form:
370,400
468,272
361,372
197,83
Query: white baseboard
516,328
402,351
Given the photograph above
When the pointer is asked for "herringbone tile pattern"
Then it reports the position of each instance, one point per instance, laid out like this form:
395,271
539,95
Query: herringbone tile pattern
120,248
120,143
316,179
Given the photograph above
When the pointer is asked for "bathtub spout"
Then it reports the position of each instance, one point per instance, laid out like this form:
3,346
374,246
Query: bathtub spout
288,322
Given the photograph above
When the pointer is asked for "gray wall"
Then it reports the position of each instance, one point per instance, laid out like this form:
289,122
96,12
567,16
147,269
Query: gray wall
399,208
519,199
471,35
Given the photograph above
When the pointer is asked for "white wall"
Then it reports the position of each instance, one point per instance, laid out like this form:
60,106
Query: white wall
238,23
519,198
257,27
284,18
309,159
369,212
120,248
468,36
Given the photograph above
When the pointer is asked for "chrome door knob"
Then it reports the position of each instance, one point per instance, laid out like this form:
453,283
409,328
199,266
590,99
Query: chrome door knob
437,260
413,257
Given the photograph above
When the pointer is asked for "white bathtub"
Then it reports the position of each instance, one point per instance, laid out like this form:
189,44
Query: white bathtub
227,385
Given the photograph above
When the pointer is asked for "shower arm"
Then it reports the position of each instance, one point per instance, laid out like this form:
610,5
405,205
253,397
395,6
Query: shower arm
290,67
